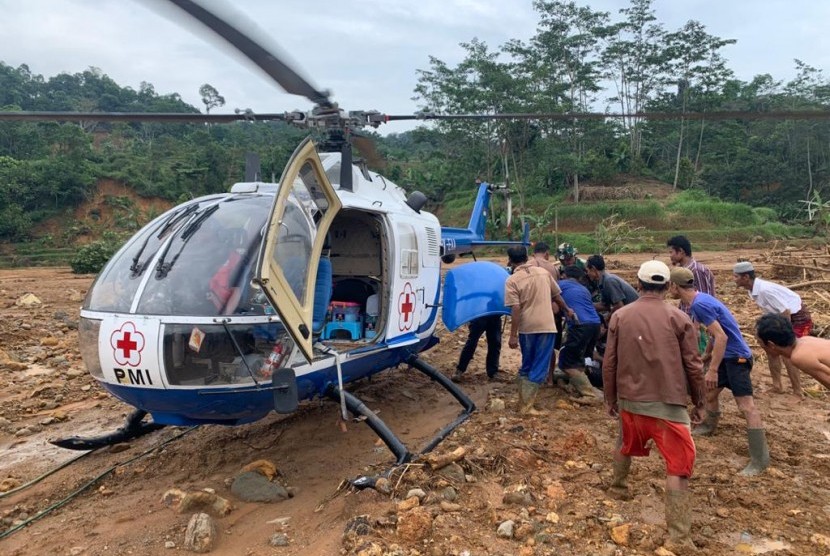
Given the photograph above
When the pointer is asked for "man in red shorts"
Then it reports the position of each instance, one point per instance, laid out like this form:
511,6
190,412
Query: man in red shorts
778,300
650,358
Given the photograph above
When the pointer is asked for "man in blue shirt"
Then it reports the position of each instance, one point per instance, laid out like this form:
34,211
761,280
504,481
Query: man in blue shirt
581,334
730,362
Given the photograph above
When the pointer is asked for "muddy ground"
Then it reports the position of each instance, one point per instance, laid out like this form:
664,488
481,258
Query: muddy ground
554,469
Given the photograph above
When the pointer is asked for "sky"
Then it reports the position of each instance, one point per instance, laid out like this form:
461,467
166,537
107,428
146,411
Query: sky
367,52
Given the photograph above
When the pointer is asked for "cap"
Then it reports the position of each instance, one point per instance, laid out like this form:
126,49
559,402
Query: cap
654,272
682,276
743,267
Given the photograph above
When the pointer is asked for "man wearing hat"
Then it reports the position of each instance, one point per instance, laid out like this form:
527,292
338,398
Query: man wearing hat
776,299
651,362
730,365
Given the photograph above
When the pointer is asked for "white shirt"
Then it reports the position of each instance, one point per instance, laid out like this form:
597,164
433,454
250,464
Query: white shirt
774,298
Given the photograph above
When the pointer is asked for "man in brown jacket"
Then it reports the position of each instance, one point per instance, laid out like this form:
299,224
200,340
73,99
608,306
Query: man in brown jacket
651,361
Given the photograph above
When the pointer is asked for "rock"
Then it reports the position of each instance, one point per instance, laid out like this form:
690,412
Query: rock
523,531
454,473
76,550
370,549
408,504
660,551
522,458
200,535
383,485
263,467
206,502
357,526
417,492
722,512
415,526
250,486
820,540
552,517
497,404
281,521
173,497
555,493
505,529
450,507
8,484
517,498
49,341
169,544
621,533
28,300
449,494
279,539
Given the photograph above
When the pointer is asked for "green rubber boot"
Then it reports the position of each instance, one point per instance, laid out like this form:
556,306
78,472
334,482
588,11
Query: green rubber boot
619,483
709,424
758,453
679,521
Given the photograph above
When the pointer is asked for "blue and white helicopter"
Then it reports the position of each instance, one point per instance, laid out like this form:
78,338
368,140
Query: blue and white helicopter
233,305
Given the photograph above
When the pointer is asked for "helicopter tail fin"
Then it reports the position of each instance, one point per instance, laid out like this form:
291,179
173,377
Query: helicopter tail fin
478,218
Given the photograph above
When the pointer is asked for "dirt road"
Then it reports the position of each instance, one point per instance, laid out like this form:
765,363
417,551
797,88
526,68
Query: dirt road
554,469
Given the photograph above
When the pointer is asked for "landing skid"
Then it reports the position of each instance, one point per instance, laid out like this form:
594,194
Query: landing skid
133,428
395,445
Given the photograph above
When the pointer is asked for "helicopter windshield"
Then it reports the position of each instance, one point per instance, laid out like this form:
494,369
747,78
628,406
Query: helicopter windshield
116,286
202,265
208,265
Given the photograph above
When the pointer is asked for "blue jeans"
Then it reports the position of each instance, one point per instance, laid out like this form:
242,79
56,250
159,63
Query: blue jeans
537,350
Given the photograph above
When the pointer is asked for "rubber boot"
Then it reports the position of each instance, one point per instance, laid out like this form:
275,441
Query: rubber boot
619,483
758,453
520,389
579,380
527,395
774,362
679,521
709,424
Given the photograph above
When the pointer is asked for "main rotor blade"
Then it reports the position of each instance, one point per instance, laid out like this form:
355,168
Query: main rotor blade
566,116
163,117
286,77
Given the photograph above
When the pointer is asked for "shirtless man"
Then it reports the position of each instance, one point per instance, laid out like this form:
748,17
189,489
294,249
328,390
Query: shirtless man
808,353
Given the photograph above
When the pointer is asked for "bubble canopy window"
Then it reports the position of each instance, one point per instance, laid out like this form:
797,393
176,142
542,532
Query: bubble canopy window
197,259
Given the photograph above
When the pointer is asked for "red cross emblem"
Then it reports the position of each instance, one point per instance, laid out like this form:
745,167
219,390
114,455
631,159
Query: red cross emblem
127,344
406,308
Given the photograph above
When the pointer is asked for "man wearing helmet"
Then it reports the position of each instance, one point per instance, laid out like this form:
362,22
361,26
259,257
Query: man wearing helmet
566,253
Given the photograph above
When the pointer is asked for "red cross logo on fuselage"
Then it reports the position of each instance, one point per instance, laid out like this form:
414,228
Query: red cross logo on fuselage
406,308
127,344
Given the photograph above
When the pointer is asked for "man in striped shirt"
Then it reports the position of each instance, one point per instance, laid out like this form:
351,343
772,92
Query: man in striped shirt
680,253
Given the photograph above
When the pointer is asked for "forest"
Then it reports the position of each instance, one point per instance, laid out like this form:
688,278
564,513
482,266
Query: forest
579,60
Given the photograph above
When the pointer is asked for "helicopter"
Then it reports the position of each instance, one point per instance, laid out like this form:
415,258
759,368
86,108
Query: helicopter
233,305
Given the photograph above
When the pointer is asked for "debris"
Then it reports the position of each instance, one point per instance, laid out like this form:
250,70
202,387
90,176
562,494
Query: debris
437,461
200,535
263,467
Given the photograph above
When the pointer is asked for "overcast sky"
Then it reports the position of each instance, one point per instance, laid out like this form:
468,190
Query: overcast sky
365,51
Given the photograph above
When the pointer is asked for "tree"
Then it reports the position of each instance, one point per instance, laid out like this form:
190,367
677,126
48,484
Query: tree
211,97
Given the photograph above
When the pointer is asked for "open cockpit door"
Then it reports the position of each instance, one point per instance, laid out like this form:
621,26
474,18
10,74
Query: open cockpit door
305,206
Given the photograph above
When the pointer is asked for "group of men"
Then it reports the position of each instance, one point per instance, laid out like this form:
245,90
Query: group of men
656,355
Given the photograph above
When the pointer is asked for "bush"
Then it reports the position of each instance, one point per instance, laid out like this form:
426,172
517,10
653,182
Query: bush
91,258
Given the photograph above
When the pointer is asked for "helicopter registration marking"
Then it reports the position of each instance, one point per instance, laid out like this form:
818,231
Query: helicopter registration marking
406,308
128,350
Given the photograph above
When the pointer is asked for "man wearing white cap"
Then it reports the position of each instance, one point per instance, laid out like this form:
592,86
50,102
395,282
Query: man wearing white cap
776,299
650,360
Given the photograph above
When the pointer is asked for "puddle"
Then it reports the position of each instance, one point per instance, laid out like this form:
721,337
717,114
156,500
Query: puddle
759,546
